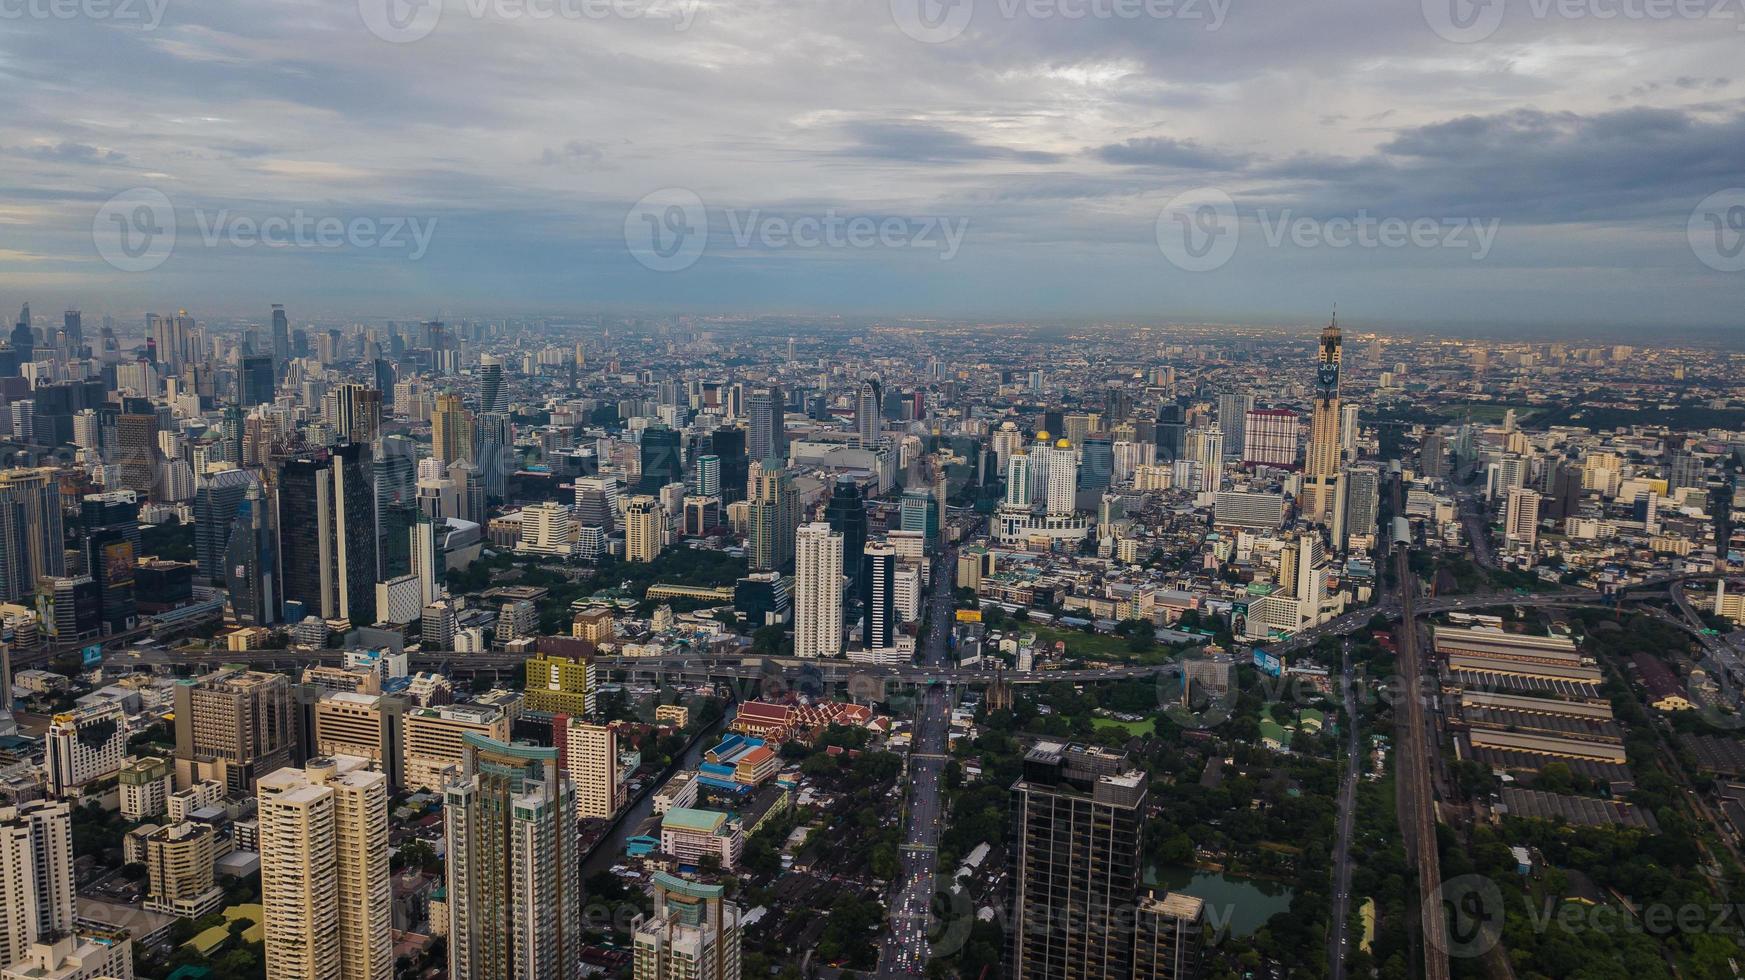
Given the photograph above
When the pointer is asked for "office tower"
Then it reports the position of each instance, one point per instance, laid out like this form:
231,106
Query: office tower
281,338
234,726
255,380
767,436
136,442
918,511
451,430
31,545
1170,433
217,500
1565,496
817,591
325,500
597,502
251,566
326,896
1685,469
23,337
110,522
729,444
1433,456
1233,412
878,596
513,864
846,513
1270,437
706,481
693,933
869,398
355,412
179,862
491,398
662,459
560,685
494,433
1074,864
1361,490
36,876
73,325
645,523
84,745
1169,936
1521,518
1322,465
395,476
545,529
772,516
1097,466
589,753
361,725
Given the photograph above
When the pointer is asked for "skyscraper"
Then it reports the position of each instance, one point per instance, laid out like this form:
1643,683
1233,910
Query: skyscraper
767,436
451,430
706,481
250,564
645,523
1062,477
1521,518
326,898
589,753
878,596
1322,466
693,934
255,380
729,444
31,544
869,398
846,512
217,500
771,518
1233,409
662,458
491,384
325,499
281,338
817,591
234,726
513,867
1074,866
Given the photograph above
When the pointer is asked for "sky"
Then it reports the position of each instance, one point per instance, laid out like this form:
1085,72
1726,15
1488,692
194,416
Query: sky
1533,163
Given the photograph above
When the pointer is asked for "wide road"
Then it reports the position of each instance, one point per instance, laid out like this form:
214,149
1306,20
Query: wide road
1336,937
1417,803
905,950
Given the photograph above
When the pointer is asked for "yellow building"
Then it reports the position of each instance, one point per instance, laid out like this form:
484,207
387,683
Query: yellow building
560,686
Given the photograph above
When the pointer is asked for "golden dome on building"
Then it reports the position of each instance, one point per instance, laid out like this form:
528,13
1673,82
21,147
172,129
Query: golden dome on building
1042,436
1064,444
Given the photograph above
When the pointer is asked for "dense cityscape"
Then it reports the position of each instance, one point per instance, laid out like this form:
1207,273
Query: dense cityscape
725,647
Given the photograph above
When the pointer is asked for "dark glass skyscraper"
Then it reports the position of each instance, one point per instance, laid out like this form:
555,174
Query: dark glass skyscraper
663,460
846,513
217,497
324,498
255,384
729,444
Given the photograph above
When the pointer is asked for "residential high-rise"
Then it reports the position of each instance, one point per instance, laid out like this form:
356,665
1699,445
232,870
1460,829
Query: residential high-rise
326,896
1321,468
491,384
513,864
234,726
706,482
433,740
645,524
31,545
451,430
817,591
1075,864
772,516
1062,486
1018,478
1361,491
1433,455
1521,518
324,499
846,512
180,862
693,934
1169,936
36,876
354,411
878,596
589,753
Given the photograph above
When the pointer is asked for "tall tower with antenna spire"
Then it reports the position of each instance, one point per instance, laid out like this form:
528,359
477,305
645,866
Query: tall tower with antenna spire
1321,472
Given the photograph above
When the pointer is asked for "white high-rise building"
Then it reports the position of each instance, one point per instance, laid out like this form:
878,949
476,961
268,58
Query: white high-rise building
36,876
83,745
1063,474
545,529
1521,518
817,591
1018,479
326,897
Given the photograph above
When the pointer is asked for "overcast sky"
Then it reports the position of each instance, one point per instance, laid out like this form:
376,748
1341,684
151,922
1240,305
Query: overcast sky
1562,166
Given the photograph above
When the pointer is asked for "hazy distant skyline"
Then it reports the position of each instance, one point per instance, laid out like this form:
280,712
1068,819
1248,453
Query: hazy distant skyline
520,145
